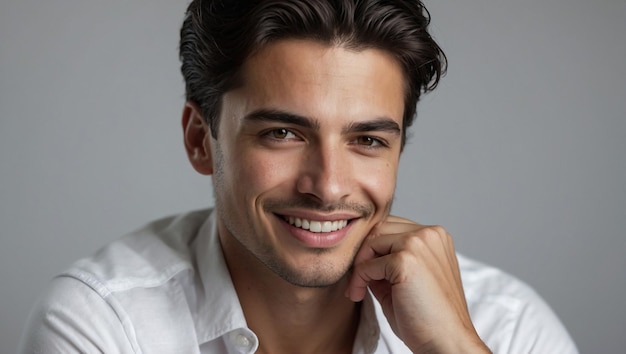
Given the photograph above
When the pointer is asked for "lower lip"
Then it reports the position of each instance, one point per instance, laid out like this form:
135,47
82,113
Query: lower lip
316,239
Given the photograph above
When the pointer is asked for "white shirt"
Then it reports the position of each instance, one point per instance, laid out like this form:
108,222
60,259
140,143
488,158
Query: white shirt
166,289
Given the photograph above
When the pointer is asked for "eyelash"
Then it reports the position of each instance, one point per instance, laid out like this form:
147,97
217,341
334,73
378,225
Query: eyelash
270,134
376,143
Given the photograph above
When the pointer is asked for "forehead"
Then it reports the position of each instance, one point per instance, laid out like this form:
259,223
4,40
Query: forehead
317,80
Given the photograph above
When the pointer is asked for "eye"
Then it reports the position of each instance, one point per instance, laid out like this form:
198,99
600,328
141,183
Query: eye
280,134
369,141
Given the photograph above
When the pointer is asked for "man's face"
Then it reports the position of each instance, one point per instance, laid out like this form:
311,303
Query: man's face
306,157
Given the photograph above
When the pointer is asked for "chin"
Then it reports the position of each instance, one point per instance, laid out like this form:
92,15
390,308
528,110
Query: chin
312,282
318,275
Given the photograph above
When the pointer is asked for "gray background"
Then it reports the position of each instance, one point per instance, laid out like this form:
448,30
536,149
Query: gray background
521,153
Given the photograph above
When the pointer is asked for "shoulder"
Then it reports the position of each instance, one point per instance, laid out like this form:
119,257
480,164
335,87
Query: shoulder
508,314
72,318
144,258
93,307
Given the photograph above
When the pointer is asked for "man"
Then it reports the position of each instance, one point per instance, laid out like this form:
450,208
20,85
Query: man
298,110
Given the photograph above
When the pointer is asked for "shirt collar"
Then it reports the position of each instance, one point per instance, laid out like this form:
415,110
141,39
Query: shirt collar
218,311
368,333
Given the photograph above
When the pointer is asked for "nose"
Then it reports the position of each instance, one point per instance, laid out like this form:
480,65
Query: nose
326,174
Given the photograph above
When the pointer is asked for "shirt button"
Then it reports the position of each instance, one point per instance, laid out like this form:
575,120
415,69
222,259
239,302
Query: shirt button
242,341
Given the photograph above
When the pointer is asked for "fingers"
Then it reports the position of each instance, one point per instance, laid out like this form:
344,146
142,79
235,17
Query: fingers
413,272
363,274
398,236
399,248
375,245
399,219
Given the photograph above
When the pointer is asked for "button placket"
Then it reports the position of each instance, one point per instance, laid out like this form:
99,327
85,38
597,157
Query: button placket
243,341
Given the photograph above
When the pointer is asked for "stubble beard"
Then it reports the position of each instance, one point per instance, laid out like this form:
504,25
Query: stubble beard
318,275
322,273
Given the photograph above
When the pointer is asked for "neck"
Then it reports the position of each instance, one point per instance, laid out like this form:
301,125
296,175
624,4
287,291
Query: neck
300,321
288,318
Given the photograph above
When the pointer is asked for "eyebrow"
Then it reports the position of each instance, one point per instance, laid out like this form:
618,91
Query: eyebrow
274,115
381,124
385,124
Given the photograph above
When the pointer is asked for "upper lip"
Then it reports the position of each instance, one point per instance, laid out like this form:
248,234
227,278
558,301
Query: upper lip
308,215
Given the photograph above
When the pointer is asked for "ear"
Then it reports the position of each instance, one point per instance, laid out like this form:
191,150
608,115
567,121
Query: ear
197,136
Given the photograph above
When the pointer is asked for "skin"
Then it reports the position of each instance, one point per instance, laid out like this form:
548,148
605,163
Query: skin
314,132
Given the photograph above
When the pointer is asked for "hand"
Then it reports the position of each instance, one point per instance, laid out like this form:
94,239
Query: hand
413,271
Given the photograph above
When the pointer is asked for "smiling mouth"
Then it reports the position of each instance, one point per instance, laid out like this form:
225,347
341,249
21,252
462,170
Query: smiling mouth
316,226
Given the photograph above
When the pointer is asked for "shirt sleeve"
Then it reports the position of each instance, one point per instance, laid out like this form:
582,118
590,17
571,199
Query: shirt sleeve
71,317
538,329
509,316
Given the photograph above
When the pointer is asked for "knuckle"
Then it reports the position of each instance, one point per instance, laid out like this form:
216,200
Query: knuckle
404,257
435,233
439,230
412,242
428,237
402,267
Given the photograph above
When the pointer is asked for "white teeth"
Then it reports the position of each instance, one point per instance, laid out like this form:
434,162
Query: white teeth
317,226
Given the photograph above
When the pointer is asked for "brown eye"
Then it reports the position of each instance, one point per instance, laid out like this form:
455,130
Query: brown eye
279,133
366,140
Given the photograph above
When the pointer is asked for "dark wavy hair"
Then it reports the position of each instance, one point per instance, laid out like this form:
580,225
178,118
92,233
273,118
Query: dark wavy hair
217,36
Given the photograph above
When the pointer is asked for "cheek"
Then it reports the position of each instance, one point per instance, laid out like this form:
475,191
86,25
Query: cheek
259,172
380,182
